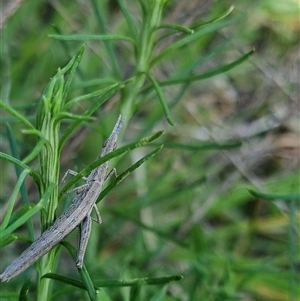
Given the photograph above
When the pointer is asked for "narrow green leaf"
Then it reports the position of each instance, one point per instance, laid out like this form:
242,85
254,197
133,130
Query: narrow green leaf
90,95
34,153
13,160
135,290
203,59
160,295
170,195
74,64
110,282
276,196
201,146
12,120
126,173
43,104
95,82
11,238
76,283
40,205
195,36
35,132
8,240
13,146
14,113
23,296
218,18
128,18
65,280
91,37
13,198
163,280
65,115
132,282
94,106
162,99
115,153
116,282
102,296
208,74
148,228
20,212
35,175
176,27
100,17
87,281
23,192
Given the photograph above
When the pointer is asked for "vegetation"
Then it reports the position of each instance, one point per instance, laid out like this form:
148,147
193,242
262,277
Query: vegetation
207,210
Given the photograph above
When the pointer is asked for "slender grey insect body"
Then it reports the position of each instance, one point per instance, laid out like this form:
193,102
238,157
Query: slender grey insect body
79,212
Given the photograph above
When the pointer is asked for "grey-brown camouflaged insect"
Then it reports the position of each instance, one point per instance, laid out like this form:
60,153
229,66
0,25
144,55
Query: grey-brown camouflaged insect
79,212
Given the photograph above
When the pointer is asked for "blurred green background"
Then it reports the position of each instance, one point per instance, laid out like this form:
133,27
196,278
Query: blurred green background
187,211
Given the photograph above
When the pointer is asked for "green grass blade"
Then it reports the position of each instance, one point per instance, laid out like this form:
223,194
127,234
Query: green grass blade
177,28
276,196
111,282
8,240
13,237
12,120
23,192
131,282
203,59
12,200
20,212
201,146
98,8
90,95
31,212
13,160
160,295
35,132
211,73
109,156
87,281
162,280
95,82
216,19
91,37
71,73
23,296
65,115
14,113
162,99
128,18
102,296
35,175
170,194
66,280
94,106
136,291
35,152
157,232
126,173
195,36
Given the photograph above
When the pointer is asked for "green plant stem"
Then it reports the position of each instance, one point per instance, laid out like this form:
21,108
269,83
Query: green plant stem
49,159
145,46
